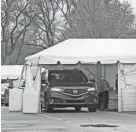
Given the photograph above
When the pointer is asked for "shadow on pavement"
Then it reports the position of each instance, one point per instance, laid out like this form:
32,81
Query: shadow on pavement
66,111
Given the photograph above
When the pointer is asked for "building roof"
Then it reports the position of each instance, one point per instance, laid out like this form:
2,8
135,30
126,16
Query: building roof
11,71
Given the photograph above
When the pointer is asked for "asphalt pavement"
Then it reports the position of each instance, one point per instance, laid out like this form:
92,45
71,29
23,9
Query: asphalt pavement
67,120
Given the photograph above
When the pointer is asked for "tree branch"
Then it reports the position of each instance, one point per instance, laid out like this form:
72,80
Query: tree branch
36,46
16,24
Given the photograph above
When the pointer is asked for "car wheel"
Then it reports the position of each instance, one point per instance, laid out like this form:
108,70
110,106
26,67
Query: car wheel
91,109
78,109
47,107
5,99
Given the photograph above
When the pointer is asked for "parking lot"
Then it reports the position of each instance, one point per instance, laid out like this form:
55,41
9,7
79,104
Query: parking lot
67,120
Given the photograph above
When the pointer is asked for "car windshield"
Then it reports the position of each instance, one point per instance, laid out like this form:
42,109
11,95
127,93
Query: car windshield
66,76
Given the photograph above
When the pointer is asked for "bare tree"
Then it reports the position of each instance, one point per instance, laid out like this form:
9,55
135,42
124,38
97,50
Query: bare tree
66,9
52,16
14,24
102,19
45,22
32,23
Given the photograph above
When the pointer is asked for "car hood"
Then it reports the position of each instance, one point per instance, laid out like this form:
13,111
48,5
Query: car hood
72,84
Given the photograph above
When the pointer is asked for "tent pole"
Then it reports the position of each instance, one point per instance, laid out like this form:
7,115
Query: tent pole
119,89
39,111
99,70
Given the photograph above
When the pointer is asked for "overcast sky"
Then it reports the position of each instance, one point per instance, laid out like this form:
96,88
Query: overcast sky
133,3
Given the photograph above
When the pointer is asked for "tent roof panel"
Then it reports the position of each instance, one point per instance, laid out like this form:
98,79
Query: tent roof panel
88,50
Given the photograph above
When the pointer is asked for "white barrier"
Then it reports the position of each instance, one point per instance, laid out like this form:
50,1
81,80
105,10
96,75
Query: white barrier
15,99
129,99
31,101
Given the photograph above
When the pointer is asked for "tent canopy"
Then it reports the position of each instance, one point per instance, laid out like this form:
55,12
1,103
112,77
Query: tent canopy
11,71
72,51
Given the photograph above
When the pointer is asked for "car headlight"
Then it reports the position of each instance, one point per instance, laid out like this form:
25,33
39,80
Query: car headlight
91,89
56,89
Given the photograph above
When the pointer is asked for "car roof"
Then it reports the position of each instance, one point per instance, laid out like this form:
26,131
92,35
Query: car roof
65,70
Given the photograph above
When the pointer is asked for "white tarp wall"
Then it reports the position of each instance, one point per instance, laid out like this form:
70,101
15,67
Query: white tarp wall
31,95
127,87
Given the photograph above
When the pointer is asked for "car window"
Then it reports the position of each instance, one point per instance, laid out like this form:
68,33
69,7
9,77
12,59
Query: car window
67,77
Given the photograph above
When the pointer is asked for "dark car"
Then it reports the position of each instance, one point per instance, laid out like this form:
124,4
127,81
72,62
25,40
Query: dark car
68,88
6,94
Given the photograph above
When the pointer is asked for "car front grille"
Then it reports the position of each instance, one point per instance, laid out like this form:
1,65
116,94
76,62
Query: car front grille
78,91
75,101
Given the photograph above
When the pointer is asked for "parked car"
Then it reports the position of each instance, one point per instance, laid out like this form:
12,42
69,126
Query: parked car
3,87
68,88
5,93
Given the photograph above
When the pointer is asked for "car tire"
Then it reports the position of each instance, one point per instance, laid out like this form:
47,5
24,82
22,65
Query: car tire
77,109
47,107
90,109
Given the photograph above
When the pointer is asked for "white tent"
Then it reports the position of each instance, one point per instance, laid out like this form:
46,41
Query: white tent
87,51
11,71
71,51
